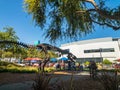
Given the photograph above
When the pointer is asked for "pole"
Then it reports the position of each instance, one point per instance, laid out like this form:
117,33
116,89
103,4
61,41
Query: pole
118,46
93,58
101,57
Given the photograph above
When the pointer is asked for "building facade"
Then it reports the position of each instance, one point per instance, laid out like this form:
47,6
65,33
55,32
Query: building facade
95,49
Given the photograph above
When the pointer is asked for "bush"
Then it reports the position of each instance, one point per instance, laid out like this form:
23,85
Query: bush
2,63
3,69
106,61
50,69
86,63
11,67
109,82
14,68
42,82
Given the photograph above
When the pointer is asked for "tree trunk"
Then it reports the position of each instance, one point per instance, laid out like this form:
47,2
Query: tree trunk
44,63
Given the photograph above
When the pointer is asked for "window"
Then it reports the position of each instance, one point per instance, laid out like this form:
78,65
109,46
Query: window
99,50
108,50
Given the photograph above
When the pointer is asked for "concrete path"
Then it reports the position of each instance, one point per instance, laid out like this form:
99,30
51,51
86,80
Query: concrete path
27,85
18,86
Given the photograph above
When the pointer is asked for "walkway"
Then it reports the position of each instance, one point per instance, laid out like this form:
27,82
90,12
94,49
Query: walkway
27,85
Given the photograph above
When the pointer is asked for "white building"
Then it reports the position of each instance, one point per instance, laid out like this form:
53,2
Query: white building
95,49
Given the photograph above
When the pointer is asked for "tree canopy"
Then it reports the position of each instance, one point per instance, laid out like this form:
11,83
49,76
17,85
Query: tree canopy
8,33
9,50
72,18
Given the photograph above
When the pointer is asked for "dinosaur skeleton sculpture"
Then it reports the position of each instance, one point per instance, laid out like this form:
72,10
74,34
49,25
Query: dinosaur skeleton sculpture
44,47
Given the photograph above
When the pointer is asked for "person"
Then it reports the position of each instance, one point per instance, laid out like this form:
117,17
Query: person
62,65
57,66
69,65
73,66
92,69
81,67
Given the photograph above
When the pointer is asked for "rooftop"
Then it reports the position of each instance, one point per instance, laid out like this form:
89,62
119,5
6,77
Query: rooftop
107,39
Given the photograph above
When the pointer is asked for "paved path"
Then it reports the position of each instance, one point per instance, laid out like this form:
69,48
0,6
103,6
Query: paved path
27,85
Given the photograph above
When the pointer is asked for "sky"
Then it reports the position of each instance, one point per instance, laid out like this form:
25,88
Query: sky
13,14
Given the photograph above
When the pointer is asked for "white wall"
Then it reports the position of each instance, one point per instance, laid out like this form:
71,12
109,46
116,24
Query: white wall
78,50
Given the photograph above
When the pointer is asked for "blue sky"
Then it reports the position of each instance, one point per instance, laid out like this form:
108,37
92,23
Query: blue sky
12,14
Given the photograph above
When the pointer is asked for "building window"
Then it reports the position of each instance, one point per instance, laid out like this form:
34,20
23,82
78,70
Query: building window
108,50
99,50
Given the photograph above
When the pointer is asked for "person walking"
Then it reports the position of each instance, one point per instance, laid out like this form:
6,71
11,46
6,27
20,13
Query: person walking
92,69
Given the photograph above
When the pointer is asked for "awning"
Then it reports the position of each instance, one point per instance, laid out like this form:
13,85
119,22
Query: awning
32,58
64,58
53,59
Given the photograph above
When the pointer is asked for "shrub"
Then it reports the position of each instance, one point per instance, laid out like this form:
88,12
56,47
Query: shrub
106,61
50,69
17,69
86,63
14,68
2,63
109,81
42,82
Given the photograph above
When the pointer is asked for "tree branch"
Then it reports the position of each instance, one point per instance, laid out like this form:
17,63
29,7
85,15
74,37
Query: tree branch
93,3
101,12
114,27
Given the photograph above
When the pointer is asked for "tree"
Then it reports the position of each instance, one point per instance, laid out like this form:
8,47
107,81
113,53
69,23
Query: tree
7,54
9,34
72,18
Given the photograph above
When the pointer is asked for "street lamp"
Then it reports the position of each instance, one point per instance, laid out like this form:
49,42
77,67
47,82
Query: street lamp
101,56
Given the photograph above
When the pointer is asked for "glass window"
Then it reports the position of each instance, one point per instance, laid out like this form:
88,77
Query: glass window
99,50
108,50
